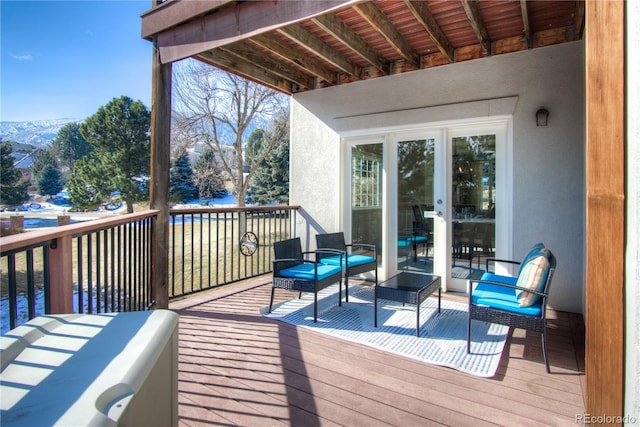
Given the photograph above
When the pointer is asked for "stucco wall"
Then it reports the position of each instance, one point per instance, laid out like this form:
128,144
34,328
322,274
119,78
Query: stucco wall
548,162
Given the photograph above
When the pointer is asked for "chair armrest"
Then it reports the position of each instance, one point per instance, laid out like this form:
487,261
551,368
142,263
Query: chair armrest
496,260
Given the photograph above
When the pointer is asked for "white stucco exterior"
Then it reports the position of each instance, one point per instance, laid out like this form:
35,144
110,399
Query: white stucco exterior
548,184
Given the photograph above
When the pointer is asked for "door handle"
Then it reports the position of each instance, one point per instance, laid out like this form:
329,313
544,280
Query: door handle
433,214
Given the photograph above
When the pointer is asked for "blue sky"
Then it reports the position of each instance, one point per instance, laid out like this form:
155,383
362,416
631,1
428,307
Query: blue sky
66,59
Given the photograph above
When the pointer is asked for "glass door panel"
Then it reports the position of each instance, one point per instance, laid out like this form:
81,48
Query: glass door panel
366,194
473,196
415,231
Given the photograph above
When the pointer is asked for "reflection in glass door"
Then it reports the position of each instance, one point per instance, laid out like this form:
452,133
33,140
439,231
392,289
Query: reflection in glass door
366,195
416,160
473,198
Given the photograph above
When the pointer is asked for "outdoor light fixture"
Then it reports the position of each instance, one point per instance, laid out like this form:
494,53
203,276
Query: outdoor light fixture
542,117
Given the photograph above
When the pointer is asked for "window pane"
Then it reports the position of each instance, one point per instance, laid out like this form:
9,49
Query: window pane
415,197
366,194
473,202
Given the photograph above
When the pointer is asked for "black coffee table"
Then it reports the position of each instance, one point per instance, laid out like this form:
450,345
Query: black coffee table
407,287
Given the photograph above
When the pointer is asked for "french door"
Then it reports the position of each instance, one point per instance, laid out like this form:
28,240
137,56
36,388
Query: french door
433,200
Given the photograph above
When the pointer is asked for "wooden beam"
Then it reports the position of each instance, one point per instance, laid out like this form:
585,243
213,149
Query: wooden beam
165,15
160,164
578,20
339,30
233,64
374,16
605,202
307,40
473,14
526,27
261,59
423,15
284,51
236,22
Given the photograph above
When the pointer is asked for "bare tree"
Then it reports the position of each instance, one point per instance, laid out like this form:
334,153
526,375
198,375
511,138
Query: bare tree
219,109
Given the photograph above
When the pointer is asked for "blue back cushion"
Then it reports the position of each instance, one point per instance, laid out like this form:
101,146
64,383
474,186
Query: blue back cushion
535,250
353,260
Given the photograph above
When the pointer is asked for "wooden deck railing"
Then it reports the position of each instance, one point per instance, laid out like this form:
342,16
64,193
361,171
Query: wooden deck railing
106,265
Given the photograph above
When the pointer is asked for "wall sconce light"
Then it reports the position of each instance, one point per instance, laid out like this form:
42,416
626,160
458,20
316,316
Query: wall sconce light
542,117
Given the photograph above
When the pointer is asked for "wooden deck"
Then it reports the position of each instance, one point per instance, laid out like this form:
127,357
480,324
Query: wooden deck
239,368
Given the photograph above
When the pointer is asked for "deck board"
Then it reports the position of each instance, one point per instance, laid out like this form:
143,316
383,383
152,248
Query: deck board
237,367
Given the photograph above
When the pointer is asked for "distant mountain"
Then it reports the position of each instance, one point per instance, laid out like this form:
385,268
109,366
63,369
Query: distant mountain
38,133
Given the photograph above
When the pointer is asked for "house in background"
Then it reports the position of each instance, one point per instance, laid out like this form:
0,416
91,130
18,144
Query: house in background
454,107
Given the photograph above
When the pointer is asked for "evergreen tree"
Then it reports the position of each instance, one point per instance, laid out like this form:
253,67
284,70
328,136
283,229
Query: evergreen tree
69,145
43,159
181,186
50,181
119,135
12,191
270,182
208,176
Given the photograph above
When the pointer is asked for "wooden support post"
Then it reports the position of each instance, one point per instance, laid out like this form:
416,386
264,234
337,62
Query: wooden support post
160,162
61,276
605,222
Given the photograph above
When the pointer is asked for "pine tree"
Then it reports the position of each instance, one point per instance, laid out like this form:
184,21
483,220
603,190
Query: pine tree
69,145
119,135
270,183
12,191
181,186
50,182
43,159
208,176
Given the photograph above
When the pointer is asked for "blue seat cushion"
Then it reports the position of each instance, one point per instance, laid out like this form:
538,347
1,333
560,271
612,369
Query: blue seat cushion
409,241
502,298
353,260
307,271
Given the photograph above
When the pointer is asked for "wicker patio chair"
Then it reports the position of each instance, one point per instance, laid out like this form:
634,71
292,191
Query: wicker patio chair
518,302
293,270
357,258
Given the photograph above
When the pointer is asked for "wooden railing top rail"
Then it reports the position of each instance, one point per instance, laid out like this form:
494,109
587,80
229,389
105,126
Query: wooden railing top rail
32,238
35,237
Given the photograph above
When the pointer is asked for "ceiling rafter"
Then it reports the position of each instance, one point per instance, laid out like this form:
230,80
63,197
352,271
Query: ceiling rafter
526,27
578,21
295,46
309,41
232,63
283,51
473,14
339,30
378,20
263,60
423,15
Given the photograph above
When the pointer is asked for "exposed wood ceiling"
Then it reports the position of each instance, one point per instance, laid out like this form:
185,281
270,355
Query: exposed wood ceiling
295,46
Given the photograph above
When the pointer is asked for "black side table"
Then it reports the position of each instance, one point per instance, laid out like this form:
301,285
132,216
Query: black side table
407,287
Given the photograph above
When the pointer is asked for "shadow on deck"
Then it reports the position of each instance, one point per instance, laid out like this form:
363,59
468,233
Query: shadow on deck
238,368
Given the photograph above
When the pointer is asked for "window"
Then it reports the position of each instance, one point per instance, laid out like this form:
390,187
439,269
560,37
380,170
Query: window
366,185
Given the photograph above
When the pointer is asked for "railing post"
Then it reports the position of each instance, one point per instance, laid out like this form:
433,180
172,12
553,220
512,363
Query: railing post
61,275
